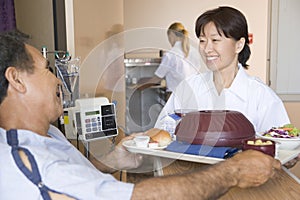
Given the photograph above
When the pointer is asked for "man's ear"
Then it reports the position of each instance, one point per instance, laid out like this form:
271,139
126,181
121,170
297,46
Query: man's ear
15,79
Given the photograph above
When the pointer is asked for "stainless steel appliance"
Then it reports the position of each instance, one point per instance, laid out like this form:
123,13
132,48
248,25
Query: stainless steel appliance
142,106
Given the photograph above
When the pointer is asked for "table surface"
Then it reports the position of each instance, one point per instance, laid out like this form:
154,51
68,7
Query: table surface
283,186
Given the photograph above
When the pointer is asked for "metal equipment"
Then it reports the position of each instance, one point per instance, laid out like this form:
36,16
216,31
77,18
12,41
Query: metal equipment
84,119
91,119
142,106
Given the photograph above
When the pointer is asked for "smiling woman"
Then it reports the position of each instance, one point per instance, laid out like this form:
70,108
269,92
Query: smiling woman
224,47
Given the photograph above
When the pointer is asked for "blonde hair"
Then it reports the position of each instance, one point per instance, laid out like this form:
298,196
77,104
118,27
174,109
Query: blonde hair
180,32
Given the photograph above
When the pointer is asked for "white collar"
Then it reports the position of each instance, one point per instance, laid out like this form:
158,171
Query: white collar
239,84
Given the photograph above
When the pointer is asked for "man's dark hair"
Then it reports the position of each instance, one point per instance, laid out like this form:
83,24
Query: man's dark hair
13,53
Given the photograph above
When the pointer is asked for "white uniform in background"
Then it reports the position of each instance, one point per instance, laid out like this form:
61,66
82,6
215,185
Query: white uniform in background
175,67
247,94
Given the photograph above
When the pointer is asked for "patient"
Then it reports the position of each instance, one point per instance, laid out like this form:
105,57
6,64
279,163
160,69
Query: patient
38,161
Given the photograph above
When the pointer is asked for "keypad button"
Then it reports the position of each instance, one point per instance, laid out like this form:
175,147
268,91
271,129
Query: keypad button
88,130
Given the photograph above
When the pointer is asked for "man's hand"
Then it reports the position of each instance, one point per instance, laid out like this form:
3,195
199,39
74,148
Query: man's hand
118,159
124,159
253,168
292,162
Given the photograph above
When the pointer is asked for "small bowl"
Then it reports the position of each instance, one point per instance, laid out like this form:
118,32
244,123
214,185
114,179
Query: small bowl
266,146
141,141
285,143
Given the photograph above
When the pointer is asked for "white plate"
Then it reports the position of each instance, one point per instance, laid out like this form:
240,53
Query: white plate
130,146
283,155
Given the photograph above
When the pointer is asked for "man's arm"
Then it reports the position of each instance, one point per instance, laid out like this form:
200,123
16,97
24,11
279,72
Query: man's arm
246,169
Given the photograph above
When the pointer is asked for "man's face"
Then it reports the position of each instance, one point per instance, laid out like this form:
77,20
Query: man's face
43,88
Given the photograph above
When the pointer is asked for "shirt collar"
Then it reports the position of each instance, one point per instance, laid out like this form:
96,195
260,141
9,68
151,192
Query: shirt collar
177,44
238,87
239,84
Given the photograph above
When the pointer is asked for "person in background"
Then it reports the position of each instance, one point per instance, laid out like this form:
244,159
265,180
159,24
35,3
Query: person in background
224,47
180,62
37,160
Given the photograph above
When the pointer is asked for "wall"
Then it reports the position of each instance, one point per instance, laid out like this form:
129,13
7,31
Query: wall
35,17
96,24
160,14
293,109
92,20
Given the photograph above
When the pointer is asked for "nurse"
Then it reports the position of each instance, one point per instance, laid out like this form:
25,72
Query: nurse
224,47
180,62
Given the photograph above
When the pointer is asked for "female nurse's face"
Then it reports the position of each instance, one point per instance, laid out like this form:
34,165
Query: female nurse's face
218,51
172,38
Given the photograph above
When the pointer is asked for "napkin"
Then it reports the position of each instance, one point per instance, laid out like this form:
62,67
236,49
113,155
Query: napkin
202,150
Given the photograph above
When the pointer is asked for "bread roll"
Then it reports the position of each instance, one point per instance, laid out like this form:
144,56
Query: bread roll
161,136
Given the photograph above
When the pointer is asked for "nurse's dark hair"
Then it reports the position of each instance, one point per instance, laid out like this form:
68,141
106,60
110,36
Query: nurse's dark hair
230,22
13,54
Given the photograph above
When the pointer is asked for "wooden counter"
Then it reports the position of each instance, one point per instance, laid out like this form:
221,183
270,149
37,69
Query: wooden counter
280,187
284,186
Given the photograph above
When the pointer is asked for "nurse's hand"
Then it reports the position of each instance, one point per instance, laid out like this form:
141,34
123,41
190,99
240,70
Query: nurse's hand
292,162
